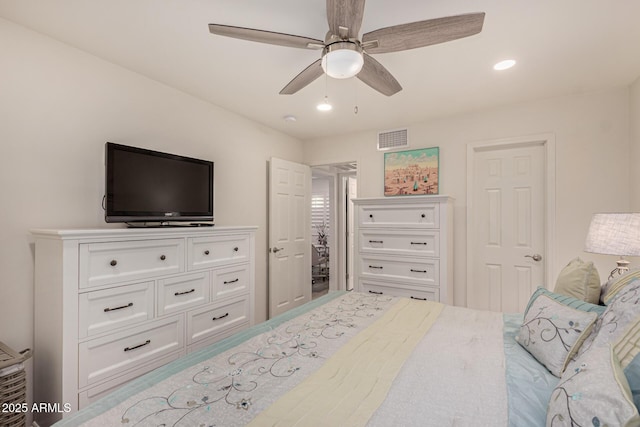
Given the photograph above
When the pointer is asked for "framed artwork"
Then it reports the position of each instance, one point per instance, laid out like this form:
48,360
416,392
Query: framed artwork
412,172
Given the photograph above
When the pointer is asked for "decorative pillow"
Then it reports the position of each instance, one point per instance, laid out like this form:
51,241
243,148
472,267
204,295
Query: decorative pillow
632,372
596,393
616,284
580,280
572,302
619,327
553,332
617,324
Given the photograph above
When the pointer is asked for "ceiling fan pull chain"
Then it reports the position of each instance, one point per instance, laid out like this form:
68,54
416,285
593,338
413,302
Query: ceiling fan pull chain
325,105
355,95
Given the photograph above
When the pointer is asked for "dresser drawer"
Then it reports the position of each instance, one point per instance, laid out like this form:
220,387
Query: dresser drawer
182,292
214,251
421,271
114,354
101,390
418,216
231,281
386,288
400,242
109,309
106,263
214,320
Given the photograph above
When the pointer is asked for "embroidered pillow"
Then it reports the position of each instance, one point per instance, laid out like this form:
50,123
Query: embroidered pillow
553,332
596,393
580,280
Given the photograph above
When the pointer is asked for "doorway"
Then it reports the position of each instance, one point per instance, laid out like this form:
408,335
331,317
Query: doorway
333,188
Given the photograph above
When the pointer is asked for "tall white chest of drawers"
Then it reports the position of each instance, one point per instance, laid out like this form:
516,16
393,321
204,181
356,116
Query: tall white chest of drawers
404,247
113,304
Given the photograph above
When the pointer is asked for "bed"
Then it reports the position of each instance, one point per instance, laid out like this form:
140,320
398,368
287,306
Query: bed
356,359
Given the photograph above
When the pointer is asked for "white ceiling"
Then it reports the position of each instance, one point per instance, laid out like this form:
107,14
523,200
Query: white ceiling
562,47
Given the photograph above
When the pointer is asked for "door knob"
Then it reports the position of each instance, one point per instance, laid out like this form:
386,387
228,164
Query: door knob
276,250
535,257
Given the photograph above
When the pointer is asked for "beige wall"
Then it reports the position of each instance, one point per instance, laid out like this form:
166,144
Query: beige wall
592,140
58,107
634,158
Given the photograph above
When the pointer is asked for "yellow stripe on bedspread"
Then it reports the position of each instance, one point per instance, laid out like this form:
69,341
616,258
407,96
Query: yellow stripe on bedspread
351,385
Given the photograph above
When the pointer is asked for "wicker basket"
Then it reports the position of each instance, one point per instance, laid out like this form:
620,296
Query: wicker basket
13,387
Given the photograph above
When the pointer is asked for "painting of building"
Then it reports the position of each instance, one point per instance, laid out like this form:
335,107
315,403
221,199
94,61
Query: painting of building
411,172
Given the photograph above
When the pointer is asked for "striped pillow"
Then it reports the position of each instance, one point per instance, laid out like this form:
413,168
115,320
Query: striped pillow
615,285
572,302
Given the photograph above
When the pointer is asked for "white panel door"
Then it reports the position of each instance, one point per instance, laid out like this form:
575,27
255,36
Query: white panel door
507,227
351,194
289,235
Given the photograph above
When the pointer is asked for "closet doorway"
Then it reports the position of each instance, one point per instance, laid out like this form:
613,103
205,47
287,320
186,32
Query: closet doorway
332,189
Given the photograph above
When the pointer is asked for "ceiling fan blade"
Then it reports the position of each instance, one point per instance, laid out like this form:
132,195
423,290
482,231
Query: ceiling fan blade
376,76
422,33
268,37
308,75
347,14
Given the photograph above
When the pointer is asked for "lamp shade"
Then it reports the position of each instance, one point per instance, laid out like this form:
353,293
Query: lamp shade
614,234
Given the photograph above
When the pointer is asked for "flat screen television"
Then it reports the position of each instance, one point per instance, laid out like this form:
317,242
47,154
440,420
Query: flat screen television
149,186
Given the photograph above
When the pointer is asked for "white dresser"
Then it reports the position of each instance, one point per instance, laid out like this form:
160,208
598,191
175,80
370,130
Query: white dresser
404,247
113,304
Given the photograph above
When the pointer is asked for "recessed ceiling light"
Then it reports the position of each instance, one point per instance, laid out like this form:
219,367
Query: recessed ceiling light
324,105
503,65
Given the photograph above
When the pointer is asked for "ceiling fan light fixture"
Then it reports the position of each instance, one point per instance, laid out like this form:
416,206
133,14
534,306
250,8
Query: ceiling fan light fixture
342,60
343,48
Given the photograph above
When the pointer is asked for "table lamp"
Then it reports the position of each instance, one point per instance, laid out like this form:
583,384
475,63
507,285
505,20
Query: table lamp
615,234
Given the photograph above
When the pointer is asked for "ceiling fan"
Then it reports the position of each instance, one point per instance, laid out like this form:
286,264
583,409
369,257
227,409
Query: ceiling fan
345,55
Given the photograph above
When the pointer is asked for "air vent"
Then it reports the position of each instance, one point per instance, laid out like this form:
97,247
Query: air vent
391,139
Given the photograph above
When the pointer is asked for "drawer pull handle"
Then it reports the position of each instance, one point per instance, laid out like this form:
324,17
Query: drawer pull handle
235,249
374,292
419,243
377,267
376,241
220,317
184,293
137,346
421,299
226,282
422,216
113,263
206,252
413,270
108,309
371,216
163,257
